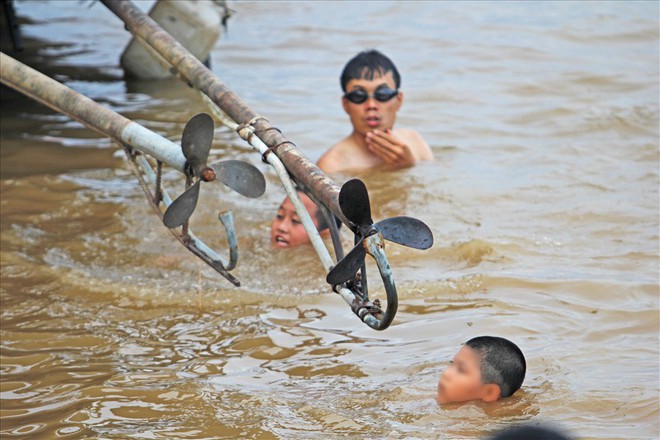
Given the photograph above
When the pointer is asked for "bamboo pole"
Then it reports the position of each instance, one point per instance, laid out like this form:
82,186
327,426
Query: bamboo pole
195,73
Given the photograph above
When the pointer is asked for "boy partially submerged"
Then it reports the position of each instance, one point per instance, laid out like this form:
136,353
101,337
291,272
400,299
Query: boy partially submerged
372,97
288,231
486,368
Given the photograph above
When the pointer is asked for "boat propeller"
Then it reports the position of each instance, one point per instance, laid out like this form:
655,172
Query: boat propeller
354,204
242,177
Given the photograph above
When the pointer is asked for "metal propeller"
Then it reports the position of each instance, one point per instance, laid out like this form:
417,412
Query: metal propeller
242,177
354,204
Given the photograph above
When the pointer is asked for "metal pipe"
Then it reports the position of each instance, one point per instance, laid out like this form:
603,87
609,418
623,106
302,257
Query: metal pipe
285,157
306,220
86,111
227,220
195,73
346,294
374,244
289,187
334,232
187,239
375,247
167,201
124,131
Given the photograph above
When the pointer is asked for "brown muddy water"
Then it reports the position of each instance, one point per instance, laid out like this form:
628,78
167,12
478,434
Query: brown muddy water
543,199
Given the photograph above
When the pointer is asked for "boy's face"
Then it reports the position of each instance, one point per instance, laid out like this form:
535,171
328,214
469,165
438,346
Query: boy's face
372,114
461,381
287,230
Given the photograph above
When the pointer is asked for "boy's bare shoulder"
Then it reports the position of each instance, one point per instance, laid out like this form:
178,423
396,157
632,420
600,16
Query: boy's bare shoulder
416,142
333,160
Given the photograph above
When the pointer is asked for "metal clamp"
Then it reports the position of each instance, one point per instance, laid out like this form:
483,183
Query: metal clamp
356,294
142,169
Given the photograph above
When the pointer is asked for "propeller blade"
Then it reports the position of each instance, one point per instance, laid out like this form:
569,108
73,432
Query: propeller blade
242,177
348,266
407,231
354,202
182,208
197,139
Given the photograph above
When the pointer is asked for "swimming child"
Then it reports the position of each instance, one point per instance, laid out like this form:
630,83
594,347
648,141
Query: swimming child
287,230
370,82
486,368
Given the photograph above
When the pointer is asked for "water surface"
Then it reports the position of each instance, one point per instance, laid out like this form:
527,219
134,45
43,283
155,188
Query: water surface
543,199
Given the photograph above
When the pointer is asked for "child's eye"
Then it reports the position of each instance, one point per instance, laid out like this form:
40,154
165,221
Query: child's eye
296,221
279,217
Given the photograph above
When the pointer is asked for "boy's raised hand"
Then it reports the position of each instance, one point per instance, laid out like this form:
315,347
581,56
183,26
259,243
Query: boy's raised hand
390,148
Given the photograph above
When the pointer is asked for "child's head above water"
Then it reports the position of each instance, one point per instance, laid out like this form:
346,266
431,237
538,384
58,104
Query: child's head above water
287,229
486,368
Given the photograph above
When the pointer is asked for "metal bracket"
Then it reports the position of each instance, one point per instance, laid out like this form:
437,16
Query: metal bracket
142,169
356,294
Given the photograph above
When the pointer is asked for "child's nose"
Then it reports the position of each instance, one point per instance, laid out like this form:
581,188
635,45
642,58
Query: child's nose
283,226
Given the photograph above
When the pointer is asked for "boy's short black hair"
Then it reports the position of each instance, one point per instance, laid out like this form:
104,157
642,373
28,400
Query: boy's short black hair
323,224
320,218
365,65
502,363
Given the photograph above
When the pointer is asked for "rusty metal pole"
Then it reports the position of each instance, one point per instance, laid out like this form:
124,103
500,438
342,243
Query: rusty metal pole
195,73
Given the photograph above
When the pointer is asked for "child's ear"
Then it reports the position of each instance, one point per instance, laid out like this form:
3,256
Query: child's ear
399,99
491,392
344,104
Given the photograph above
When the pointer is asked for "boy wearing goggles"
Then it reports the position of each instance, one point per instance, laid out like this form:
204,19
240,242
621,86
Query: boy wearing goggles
371,82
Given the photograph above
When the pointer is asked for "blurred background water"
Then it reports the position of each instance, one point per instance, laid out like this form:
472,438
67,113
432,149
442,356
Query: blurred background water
543,199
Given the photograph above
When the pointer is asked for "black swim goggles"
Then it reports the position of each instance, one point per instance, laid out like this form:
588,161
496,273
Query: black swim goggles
382,94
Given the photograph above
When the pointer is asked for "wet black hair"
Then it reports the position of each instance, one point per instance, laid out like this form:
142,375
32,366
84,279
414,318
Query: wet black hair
502,363
526,432
320,218
323,224
366,65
